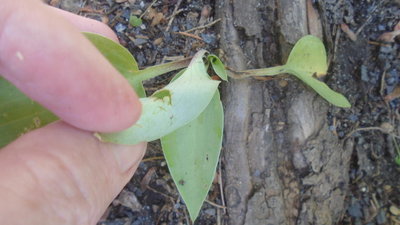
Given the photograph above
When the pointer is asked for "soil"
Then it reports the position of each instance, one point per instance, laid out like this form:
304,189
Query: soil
354,149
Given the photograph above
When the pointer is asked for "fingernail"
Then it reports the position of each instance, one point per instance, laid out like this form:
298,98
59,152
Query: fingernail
129,156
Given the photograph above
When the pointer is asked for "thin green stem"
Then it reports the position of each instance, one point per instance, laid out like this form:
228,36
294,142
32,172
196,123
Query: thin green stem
157,70
271,71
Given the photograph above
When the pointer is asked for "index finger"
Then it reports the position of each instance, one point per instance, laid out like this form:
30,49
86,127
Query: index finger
48,59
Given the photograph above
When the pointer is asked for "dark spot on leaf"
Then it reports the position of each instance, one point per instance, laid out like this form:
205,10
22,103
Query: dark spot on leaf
181,182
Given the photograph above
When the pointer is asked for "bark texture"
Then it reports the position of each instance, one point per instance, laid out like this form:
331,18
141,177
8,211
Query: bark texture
281,163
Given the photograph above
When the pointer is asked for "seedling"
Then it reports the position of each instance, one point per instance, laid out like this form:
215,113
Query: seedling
307,61
135,21
186,114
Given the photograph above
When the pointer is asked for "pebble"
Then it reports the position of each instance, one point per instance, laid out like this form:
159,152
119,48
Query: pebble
120,27
177,205
283,83
139,41
353,117
355,210
209,38
210,212
387,127
394,210
155,208
381,217
381,27
387,188
364,73
158,41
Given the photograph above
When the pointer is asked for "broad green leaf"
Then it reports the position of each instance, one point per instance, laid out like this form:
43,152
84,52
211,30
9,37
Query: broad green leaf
192,154
308,59
172,107
19,114
218,66
120,58
135,21
309,56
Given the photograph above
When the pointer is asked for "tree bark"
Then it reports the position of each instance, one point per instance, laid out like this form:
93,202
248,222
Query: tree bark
281,163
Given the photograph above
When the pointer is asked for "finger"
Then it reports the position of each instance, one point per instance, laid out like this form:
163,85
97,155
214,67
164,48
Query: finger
61,175
49,60
86,24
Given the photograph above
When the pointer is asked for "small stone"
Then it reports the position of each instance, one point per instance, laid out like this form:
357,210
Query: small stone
210,212
120,27
364,189
283,83
143,27
177,205
353,117
387,188
209,38
158,41
364,73
394,210
381,217
355,210
139,41
155,208
381,27
387,127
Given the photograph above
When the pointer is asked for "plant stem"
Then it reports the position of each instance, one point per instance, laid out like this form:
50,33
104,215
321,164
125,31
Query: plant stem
157,70
271,71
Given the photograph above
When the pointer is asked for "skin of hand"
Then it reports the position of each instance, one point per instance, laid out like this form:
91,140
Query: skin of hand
61,174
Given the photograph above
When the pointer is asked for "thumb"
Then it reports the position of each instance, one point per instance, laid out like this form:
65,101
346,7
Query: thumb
62,175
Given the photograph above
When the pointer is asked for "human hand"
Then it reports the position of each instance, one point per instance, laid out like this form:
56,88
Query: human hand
61,174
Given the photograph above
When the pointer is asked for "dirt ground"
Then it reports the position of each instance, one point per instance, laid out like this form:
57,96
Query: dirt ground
365,68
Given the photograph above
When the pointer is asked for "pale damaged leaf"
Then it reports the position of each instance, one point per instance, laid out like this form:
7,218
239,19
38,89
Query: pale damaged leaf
172,107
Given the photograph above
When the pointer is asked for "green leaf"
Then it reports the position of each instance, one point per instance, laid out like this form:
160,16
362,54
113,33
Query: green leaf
120,58
218,66
170,108
308,59
19,114
322,89
308,56
135,21
192,154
